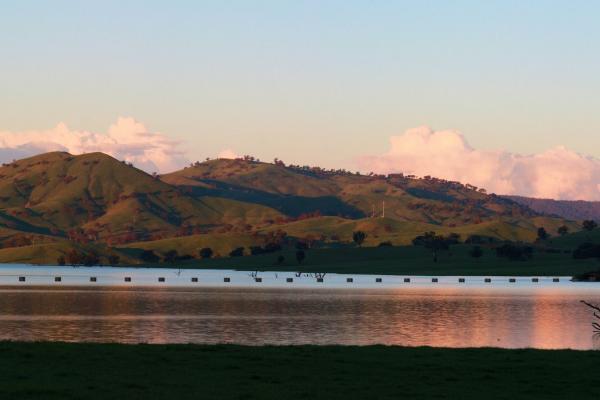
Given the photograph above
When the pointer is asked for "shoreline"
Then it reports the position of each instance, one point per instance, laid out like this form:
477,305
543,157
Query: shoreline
136,277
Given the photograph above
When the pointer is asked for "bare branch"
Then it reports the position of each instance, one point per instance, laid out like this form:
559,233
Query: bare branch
591,305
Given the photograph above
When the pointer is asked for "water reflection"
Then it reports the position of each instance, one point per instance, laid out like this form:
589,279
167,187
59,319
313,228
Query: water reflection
444,317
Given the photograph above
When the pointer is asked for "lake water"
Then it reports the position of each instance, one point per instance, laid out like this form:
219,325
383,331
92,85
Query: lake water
449,316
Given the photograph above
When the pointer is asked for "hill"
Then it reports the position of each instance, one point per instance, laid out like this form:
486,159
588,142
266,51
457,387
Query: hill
296,191
96,197
94,204
569,209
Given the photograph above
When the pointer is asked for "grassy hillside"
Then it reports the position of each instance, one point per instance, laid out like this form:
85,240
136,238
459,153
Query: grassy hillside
54,202
297,190
95,196
48,253
569,209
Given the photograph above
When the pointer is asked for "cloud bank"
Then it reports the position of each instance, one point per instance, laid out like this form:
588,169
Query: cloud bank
126,139
557,173
228,154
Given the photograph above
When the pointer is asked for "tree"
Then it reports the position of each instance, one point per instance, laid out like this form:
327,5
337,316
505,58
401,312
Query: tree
596,309
206,252
237,252
74,257
476,252
515,252
359,237
434,242
113,259
300,256
542,234
90,259
587,250
149,256
563,230
170,256
589,225
61,260
301,246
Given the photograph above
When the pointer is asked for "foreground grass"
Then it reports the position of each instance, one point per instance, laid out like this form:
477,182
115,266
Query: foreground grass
101,371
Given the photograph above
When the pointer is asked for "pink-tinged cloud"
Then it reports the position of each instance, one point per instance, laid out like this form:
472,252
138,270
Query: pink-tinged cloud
557,173
228,153
126,139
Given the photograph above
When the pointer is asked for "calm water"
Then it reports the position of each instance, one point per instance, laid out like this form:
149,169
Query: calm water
440,317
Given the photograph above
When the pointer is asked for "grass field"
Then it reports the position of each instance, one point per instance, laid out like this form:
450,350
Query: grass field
112,371
407,260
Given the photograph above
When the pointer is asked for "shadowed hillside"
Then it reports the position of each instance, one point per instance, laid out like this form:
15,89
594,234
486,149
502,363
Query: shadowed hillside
55,205
93,196
569,209
297,190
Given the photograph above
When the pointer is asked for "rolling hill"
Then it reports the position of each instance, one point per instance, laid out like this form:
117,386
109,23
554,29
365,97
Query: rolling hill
94,196
295,191
54,202
569,209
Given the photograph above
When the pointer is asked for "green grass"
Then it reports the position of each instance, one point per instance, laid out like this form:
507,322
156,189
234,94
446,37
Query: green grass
111,371
407,260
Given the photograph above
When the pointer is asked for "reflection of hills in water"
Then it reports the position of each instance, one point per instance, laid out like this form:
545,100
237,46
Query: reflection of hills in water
440,318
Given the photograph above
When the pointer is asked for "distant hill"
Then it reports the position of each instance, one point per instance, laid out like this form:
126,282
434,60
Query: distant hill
54,203
569,209
294,190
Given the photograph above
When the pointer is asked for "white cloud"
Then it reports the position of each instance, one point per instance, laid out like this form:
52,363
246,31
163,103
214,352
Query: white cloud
557,173
126,139
228,153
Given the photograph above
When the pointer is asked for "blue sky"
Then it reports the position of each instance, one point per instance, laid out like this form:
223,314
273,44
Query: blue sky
321,82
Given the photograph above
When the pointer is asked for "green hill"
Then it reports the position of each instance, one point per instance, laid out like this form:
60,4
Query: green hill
54,202
297,190
96,196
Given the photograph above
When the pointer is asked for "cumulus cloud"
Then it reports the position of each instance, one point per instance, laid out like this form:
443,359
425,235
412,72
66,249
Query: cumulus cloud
557,173
228,153
126,139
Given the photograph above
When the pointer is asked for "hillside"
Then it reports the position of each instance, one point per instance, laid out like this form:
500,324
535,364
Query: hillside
569,209
93,197
53,203
294,191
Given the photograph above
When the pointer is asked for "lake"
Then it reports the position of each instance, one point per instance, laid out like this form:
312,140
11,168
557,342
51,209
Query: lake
545,318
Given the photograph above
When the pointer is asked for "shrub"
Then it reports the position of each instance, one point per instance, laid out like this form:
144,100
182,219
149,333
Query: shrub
205,252
387,243
149,256
170,256
74,257
515,252
61,260
113,259
90,259
589,225
237,252
359,237
272,247
587,250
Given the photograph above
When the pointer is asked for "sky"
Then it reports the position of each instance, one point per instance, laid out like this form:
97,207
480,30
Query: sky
329,83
